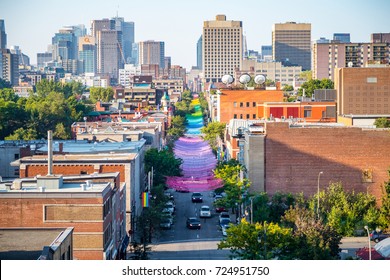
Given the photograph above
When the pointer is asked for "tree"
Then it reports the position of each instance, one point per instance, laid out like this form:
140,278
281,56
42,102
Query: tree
23,134
101,94
287,88
61,132
211,132
4,84
382,123
307,75
164,164
313,239
384,211
313,84
257,241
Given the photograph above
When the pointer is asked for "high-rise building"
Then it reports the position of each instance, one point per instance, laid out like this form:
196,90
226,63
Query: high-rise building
199,55
9,66
43,58
328,56
3,35
134,53
127,29
24,60
222,48
64,44
266,53
87,54
101,24
291,44
109,58
380,38
342,37
151,52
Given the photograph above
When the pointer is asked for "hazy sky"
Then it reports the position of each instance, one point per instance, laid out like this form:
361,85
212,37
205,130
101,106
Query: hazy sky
31,24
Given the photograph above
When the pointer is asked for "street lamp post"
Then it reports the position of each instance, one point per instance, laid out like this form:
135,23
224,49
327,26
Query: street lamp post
369,242
318,194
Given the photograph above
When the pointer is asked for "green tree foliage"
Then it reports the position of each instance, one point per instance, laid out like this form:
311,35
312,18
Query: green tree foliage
313,84
164,164
234,187
61,132
178,127
211,132
257,241
23,134
287,88
314,240
306,75
384,211
345,211
101,94
382,123
52,104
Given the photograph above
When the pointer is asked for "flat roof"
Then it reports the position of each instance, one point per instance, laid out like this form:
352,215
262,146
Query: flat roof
26,244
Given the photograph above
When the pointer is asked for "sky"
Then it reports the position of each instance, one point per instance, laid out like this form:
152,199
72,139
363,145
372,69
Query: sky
32,24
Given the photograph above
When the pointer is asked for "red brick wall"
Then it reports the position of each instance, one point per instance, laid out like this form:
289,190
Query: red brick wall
295,156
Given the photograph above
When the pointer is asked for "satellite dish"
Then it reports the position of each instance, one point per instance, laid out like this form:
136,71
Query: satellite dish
244,79
259,79
350,64
227,79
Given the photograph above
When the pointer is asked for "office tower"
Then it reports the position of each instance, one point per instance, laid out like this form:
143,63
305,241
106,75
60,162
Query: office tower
64,44
328,56
134,53
3,35
101,24
24,60
199,55
127,29
342,37
222,48
87,54
266,52
291,44
380,38
9,67
151,52
109,54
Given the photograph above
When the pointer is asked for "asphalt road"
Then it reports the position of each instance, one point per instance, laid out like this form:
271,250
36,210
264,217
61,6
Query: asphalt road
186,208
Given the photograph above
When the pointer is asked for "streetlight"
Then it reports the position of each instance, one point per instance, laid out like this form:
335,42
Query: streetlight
369,242
318,194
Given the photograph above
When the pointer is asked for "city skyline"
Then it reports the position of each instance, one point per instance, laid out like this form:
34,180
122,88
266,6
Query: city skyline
31,24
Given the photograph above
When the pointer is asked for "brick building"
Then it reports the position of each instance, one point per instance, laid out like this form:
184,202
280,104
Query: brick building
94,158
94,205
241,104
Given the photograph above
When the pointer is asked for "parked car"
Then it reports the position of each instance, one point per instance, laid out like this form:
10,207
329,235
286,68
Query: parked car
224,222
165,223
169,195
170,206
217,196
197,197
378,236
224,228
205,212
220,209
193,223
224,215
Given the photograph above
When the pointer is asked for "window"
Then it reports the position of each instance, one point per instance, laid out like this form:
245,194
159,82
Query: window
234,104
254,116
240,116
235,116
247,116
247,104
254,104
241,104
16,156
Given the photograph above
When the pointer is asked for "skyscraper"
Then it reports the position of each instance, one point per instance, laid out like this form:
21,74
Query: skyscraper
291,43
380,38
64,44
222,48
87,54
3,35
109,57
151,52
342,37
9,66
127,29
199,55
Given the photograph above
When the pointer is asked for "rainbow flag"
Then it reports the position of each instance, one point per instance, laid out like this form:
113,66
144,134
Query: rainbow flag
145,199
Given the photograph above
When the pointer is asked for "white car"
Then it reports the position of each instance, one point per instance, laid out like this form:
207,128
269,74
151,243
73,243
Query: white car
205,212
170,206
224,228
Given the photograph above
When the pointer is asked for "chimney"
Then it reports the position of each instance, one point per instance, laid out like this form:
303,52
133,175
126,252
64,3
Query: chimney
50,153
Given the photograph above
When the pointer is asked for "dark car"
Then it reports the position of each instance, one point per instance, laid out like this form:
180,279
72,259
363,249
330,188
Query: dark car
220,209
197,197
378,236
193,223
166,223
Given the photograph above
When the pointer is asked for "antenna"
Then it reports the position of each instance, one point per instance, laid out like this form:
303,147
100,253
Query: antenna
244,79
227,79
260,79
